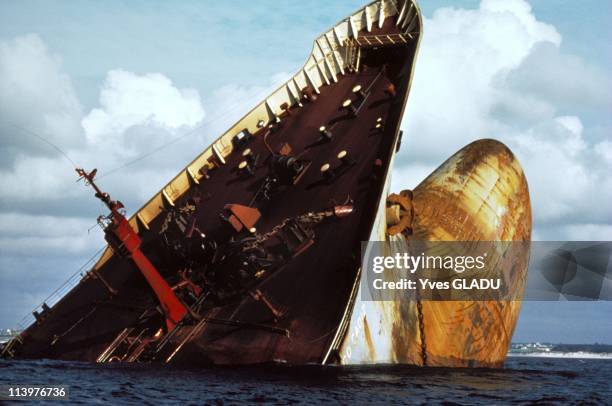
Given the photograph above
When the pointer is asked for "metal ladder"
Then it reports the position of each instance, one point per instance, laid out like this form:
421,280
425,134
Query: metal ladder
352,54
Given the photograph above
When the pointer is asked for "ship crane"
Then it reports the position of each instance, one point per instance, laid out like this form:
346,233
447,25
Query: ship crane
125,241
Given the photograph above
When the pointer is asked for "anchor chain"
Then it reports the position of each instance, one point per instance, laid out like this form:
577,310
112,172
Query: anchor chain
404,226
308,218
422,330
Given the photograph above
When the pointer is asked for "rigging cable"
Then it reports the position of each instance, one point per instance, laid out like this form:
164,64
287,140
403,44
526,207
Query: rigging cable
146,154
46,141
180,137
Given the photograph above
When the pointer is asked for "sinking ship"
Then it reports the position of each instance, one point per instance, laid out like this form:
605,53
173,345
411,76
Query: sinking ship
251,253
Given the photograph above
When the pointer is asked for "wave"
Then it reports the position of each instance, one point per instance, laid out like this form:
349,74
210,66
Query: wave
558,354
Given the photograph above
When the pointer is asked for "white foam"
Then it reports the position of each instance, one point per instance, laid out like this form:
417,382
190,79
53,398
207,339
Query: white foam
553,354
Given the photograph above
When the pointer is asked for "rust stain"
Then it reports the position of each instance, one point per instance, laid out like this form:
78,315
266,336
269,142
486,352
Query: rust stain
477,152
368,338
404,333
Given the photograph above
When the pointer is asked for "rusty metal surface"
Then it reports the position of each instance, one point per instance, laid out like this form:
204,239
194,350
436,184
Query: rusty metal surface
479,194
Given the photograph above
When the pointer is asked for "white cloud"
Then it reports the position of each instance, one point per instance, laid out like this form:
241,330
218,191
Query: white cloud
230,102
140,110
604,150
35,94
462,55
409,176
41,236
563,183
565,80
137,114
583,232
498,72
14,224
38,179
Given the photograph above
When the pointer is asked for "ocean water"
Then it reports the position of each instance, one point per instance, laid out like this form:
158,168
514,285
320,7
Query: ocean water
524,380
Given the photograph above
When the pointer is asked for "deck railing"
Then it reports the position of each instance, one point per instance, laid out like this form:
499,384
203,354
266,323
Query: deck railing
58,293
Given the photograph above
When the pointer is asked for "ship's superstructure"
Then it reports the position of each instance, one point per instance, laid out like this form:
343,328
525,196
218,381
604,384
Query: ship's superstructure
251,253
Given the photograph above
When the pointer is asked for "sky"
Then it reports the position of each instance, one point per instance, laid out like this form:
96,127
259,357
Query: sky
111,81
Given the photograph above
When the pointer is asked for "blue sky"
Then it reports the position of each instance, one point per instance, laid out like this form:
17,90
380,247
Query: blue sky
78,72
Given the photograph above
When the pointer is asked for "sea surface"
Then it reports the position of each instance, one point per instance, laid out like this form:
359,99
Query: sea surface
524,380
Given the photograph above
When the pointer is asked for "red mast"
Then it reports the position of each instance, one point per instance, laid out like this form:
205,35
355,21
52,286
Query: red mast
125,241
